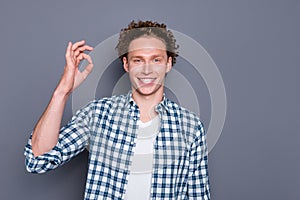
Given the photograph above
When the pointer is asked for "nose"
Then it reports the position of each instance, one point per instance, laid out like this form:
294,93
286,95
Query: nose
147,68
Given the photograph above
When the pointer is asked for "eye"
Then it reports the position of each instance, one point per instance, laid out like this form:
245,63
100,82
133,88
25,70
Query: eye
137,60
157,60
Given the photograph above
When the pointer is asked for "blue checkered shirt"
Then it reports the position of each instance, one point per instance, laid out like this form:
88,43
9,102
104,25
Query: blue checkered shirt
108,129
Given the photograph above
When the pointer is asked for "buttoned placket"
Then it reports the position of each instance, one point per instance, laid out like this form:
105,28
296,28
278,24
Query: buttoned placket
159,110
134,114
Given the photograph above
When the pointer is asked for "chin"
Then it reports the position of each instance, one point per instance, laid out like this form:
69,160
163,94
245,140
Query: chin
147,91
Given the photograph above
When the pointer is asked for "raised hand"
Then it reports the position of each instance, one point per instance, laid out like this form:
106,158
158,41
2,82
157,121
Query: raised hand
46,131
72,77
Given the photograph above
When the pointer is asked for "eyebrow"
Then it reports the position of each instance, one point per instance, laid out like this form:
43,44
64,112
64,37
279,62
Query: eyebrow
153,56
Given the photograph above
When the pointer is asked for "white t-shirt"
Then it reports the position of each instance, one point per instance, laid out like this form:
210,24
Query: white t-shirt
139,181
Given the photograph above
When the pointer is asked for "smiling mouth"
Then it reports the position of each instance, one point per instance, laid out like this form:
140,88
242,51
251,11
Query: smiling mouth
147,80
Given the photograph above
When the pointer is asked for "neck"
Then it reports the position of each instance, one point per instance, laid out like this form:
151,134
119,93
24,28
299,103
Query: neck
147,103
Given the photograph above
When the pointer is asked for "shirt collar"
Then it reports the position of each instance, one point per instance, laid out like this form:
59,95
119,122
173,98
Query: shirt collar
164,104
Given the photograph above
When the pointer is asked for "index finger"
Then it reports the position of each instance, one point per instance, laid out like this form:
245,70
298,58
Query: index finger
78,44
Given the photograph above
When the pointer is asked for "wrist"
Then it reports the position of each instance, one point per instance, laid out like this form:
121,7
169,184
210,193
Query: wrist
60,95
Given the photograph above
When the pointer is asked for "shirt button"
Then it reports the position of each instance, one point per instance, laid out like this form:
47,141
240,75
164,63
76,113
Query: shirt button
132,143
134,118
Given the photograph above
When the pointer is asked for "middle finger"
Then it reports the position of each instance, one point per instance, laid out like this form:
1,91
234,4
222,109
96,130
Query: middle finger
81,49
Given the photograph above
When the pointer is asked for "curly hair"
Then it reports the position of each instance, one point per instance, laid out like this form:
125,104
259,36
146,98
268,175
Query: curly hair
147,28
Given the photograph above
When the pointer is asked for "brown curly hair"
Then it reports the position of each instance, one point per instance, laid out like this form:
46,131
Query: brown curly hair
147,28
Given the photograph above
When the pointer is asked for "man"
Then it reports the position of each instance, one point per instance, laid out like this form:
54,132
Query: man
141,145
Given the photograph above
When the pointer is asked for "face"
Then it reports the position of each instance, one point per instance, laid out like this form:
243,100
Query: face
147,64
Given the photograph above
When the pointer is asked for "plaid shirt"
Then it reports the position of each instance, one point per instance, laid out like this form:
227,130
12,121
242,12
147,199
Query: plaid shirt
108,128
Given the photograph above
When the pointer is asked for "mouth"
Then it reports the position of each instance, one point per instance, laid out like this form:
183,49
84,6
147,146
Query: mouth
147,80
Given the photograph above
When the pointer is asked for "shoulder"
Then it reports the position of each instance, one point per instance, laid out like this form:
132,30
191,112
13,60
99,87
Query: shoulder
112,99
182,112
189,121
108,102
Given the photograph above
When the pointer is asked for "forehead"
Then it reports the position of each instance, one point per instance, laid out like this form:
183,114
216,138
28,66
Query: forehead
147,44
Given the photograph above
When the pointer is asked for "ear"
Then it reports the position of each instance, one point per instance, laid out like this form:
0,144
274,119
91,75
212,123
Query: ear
169,64
125,64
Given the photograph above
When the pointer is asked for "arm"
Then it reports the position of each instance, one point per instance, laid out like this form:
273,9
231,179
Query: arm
198,182
46,132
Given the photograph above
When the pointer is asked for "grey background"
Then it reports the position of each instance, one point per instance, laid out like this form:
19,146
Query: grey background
255,44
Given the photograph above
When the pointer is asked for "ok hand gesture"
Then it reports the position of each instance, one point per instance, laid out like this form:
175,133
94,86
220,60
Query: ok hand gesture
72,77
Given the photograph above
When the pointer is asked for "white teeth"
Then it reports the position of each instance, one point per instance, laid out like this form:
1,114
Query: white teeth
146,80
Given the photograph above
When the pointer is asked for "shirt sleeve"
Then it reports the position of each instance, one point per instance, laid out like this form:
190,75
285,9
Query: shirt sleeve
73,139
198,182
